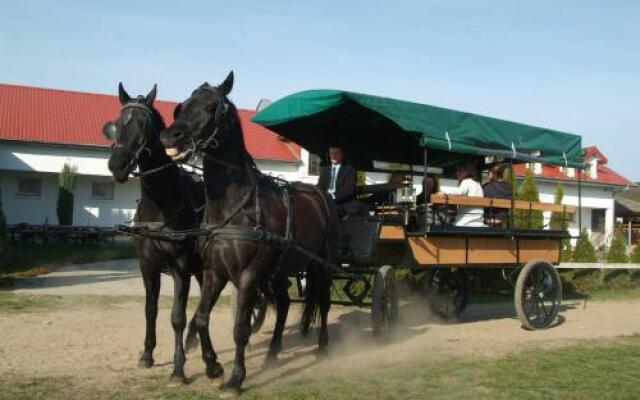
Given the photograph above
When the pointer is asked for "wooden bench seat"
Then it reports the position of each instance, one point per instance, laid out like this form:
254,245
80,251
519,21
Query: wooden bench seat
486,202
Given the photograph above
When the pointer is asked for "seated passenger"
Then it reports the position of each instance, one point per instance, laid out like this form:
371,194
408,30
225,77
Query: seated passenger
467,186
430,185
497,188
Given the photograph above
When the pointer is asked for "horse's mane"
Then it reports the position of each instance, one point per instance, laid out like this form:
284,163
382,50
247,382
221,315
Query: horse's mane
247,158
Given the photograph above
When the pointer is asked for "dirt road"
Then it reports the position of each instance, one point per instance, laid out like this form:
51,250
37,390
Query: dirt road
99,346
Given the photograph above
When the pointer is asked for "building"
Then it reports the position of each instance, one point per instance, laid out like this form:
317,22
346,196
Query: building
42,129
599,183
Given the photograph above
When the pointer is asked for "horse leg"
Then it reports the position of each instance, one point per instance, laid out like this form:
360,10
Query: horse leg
181,285
192,332
247,293
212,286
151,278
282,309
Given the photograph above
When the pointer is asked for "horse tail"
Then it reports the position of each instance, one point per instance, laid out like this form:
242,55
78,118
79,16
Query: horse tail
319,276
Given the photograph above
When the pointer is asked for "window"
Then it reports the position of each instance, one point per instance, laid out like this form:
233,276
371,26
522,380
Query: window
314,165
30,187
102,190
597,220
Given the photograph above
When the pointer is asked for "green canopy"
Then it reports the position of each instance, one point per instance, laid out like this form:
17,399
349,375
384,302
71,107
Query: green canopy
384,129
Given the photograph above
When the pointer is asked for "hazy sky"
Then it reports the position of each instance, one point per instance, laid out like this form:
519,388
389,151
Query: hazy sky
566,65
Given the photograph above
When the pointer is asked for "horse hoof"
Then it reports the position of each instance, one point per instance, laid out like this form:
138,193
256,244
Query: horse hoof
177,380
145,362
323,353
215,371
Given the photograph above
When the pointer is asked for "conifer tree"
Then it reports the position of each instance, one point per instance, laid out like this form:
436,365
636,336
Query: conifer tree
617,251
66,182
584,250
528,219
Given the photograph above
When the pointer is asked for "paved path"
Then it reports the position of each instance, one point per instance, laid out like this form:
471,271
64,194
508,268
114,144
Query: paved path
106,278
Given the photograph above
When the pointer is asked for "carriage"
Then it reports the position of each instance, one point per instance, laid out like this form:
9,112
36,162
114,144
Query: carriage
381,134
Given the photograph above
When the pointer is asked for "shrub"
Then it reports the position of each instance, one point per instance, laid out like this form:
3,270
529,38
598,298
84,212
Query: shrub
584,250
618,250
528,191
66,181
635,255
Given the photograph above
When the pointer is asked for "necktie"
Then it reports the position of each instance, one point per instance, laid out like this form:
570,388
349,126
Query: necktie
332,185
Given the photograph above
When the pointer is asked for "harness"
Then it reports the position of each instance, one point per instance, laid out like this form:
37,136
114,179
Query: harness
225,230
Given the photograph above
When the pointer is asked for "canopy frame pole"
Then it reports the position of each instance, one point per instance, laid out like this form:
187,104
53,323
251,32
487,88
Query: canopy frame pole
424,187
579,201
513,194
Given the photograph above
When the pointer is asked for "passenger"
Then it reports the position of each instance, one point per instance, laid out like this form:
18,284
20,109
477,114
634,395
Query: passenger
430,185
467,186
497,188
339,180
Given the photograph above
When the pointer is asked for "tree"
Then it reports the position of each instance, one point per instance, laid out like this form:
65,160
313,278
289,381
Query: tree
528,191
558,220
4,239
66,182
584,251
617,251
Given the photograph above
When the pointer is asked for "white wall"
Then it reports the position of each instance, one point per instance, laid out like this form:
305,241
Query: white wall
86,211
50,158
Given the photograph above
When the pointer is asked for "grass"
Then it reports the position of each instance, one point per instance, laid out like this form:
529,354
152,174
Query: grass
600,369
25,260
11,303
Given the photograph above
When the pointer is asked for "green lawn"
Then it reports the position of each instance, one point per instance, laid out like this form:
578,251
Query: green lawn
603,369
34,259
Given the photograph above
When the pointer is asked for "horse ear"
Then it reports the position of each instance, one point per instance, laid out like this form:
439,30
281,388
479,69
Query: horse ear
123,95
151,96
226,86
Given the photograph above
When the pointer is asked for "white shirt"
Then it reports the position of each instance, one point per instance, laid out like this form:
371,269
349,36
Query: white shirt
335,168
468,216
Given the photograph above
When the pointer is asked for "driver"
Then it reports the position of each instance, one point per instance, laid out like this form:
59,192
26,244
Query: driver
338,179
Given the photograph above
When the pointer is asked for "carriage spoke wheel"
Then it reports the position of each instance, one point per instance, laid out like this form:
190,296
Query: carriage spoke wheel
258,312
384,300
538,295
446,292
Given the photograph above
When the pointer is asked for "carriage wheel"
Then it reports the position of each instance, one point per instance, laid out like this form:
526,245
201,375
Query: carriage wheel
258,312
384,299
446,292
538,294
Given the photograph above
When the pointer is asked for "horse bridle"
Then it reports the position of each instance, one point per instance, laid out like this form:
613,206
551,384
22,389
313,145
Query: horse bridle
143,145
221,111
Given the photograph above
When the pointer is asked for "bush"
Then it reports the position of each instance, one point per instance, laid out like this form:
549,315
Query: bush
528,191
618,250
584,251
66,181
635,255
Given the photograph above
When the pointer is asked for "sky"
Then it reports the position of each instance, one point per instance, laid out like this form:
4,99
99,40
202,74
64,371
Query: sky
570,65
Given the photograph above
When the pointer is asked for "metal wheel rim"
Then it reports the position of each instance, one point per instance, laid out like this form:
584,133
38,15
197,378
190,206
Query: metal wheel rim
540,297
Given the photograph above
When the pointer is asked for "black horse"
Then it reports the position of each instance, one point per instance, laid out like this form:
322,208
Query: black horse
239,201
170,200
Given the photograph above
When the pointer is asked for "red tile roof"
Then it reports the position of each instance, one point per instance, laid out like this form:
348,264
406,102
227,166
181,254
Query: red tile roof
605,174
60,116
